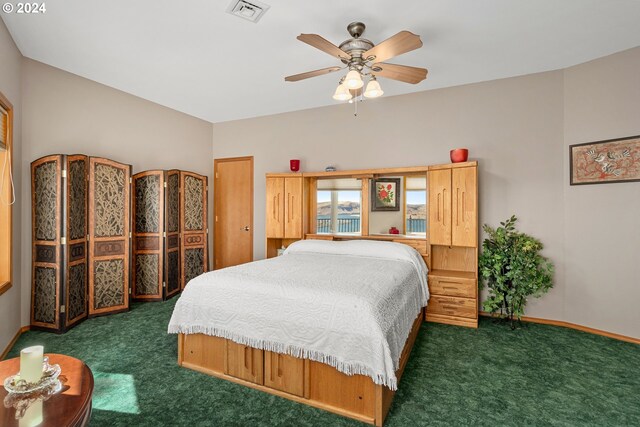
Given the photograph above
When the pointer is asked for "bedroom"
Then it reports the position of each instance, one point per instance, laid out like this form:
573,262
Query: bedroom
516,84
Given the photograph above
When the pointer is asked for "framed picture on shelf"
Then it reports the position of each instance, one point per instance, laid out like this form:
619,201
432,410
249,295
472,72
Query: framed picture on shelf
385,194
602,162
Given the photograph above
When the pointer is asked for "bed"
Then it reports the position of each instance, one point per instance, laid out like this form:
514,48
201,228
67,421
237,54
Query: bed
329,324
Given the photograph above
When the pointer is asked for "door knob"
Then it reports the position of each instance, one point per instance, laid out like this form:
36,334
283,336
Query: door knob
245,228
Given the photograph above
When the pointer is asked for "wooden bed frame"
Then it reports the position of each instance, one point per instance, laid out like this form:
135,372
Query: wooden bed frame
301,380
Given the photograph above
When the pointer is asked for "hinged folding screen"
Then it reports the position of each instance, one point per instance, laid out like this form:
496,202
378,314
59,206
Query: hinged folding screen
59,228
193,225
109,219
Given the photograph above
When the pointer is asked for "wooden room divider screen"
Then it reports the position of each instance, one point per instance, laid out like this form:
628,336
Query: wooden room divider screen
109,236
66,287
169,233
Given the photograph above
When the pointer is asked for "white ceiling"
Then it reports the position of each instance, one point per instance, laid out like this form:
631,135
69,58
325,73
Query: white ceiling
195,58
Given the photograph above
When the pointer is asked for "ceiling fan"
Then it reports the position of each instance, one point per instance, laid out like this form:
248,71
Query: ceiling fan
364,59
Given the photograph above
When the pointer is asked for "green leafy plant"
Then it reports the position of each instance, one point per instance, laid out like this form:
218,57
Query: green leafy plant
511,266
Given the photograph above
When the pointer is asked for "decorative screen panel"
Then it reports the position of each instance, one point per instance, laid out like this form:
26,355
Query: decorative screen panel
109,200
77,177
107,283
44,295
46,232
146,271
147,205
173,203
46,200
77,292
148,240
75,282
193,215
193,263
173,272
109,253
193,207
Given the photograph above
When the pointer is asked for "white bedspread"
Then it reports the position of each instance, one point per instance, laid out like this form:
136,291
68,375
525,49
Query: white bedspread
348,304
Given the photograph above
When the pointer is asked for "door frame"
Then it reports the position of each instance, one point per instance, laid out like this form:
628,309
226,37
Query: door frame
216,195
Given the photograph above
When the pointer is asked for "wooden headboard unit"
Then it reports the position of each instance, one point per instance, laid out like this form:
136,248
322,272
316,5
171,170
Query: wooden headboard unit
449,248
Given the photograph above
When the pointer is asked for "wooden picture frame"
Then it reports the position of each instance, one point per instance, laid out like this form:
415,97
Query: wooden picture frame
385,194
605,162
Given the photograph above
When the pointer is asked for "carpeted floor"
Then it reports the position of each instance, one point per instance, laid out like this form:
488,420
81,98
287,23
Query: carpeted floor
537,375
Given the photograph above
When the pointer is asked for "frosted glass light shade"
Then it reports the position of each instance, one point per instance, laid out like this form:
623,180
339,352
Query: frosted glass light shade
342,93
353,80
373,89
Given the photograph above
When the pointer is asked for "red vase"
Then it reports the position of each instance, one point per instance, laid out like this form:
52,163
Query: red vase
294,165
459,155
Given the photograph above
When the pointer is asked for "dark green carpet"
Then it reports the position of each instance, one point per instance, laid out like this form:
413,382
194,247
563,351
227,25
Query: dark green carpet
537,375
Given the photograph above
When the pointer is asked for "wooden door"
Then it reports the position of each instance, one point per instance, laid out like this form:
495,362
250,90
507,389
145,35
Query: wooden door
283,372
148,228
440,207
244,362
109,235
46,232
172,264
464,231
75,288
293,208
193,221
233,208
275,207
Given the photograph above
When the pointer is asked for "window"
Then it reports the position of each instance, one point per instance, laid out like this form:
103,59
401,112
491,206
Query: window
416,206
7,193
338,206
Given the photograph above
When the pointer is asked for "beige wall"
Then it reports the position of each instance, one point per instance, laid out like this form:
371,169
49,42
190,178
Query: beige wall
67,114
602,234
10,63
514,127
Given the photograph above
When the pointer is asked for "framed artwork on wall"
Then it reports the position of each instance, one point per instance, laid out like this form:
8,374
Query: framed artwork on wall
385,194
603,162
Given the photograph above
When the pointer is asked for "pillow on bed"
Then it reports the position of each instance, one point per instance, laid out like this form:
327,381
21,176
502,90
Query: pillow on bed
363,248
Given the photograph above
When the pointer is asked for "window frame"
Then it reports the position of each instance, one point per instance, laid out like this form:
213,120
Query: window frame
7,239
333,225
406,219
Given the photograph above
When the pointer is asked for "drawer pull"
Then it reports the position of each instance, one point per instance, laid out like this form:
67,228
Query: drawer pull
450,307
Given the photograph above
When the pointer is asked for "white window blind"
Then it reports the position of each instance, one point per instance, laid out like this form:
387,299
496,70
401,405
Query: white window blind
4,117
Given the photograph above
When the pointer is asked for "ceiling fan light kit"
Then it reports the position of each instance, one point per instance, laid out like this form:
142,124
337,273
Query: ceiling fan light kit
373,89
353,80
364,59
342,93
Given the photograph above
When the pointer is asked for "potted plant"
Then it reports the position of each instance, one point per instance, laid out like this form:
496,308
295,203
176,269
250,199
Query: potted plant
513,269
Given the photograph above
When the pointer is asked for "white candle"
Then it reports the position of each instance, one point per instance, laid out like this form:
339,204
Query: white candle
31,363
32,416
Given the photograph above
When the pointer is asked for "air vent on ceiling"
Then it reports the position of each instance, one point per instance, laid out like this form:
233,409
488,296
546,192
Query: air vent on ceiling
251,11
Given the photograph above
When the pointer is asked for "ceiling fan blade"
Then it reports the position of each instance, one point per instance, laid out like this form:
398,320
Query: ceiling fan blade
309,74
324,45
402,42
403,73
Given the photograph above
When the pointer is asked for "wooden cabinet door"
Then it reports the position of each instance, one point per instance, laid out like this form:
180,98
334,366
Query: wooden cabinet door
275,207
293,208
244,362
285,373
109,216
440,207
464,231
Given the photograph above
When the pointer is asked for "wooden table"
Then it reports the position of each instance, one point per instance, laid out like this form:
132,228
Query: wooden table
70,407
